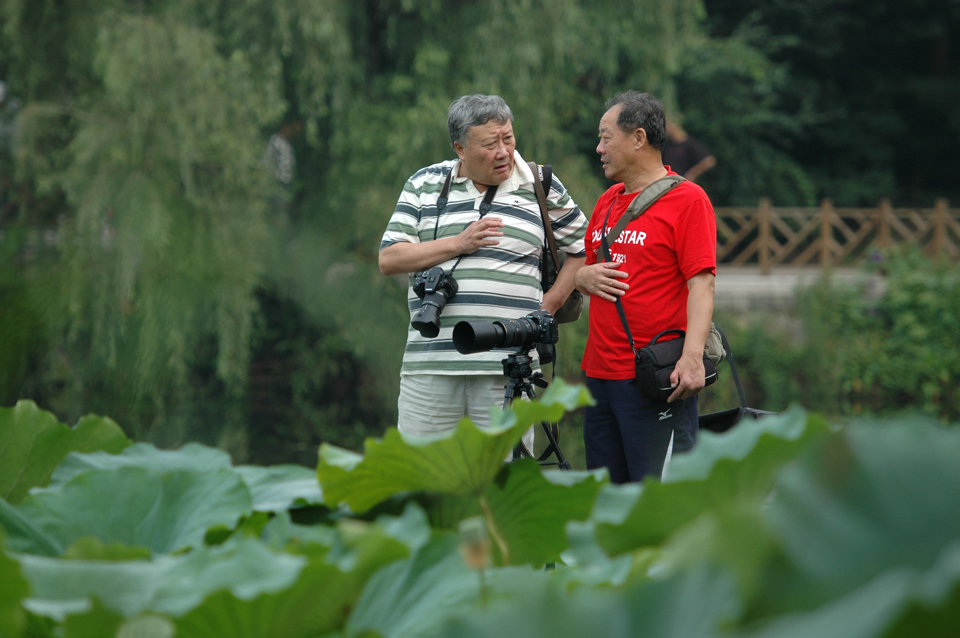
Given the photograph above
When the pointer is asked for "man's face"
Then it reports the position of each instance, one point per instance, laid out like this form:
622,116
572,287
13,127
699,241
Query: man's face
487,157
616,148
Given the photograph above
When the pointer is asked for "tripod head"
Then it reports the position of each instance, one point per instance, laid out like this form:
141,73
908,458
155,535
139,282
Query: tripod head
521,379
518,368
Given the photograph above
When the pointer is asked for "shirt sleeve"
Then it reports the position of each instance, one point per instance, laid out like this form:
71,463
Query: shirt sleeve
567,220
404,223
697,238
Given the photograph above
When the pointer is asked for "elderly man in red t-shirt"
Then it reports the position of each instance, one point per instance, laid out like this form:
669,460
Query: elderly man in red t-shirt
662,267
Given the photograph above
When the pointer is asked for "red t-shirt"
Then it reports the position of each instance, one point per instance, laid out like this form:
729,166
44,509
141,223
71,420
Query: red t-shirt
672,241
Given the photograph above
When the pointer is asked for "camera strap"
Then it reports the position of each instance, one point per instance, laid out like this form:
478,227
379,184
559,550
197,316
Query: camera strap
485,207
644,200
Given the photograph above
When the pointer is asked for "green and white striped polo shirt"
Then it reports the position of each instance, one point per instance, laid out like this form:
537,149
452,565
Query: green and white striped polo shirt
497,282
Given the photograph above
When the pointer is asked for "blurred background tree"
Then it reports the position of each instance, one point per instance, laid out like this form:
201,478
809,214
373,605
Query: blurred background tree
192,193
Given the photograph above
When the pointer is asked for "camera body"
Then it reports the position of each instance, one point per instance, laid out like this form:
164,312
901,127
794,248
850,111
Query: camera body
539,327
435,288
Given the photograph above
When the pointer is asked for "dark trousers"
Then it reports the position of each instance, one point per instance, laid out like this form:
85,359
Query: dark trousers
629,434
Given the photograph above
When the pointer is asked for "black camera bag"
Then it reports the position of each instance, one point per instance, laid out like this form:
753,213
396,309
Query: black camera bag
656,361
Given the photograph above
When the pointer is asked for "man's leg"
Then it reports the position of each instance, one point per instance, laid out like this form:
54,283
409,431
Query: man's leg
651,428
601,432
645,427
430,403
485,391
687,426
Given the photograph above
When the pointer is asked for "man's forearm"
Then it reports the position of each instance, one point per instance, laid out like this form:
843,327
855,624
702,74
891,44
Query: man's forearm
405,257
699,313
568,272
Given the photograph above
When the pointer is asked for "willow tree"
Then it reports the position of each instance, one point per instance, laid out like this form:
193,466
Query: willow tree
142,137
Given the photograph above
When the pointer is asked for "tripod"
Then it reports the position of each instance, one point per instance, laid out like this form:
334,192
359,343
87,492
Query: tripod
518,368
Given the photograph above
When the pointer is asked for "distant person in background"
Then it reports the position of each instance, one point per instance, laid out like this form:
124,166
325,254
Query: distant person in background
684,154
280,154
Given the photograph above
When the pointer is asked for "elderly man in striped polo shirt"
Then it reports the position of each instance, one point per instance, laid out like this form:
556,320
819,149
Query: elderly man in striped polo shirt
494,257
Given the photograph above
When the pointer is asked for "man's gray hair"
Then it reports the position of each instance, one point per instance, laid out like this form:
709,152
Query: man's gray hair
641,110
475,110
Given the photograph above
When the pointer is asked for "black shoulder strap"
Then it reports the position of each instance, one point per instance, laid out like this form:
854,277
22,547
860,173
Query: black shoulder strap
733,366
637,207
538,181
485,205
442,200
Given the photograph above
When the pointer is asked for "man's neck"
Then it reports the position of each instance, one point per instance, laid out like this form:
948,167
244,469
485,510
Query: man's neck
481,188
644,178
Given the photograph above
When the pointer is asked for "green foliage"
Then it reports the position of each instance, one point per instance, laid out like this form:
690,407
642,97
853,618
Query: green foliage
779,527
885,345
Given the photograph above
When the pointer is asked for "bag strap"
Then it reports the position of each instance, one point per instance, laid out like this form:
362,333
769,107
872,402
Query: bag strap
733,367
538,181
647,197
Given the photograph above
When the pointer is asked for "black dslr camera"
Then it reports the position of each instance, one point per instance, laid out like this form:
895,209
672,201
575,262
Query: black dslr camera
539,327
436,288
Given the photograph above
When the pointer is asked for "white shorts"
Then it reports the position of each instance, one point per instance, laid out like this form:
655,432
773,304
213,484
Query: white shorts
434,403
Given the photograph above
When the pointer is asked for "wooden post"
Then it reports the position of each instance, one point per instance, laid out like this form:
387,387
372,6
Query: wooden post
765,239
826,232
939,226
883,223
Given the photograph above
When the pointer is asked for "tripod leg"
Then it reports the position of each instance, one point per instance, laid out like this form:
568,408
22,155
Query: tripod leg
514,390
554,447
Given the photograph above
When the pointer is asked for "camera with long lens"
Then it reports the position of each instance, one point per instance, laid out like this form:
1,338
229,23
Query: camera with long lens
435,288
539,327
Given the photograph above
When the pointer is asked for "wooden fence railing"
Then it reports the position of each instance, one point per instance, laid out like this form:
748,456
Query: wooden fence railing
828,236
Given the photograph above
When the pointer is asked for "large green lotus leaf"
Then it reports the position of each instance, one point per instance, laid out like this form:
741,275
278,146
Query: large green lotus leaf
899,603
741,465
934,609
864,613
96,621
13,589
462,462
33,443
699,603
24,536
735,538
192,456
279,487
280,533
325,592
530,509
415,597
171,585
100,622
874,497
163,511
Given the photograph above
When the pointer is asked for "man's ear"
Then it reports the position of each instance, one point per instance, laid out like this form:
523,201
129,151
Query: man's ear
459,149
640,137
